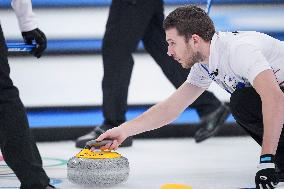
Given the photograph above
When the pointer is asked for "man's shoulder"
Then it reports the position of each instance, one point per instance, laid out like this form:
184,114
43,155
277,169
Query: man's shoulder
231,42
239,38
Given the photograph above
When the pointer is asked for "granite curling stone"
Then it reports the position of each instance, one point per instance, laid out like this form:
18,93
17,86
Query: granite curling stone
97,168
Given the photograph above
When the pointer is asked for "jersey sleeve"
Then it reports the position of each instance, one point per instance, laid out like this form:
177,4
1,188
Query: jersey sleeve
26,17
199,76
248,61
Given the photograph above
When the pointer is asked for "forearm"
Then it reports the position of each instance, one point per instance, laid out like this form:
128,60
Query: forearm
156,117
25,15
273,119
164,112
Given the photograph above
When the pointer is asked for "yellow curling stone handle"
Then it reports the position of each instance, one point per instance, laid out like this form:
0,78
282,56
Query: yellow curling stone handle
87,153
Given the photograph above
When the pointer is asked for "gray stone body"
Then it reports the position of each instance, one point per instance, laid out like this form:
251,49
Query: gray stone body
100,172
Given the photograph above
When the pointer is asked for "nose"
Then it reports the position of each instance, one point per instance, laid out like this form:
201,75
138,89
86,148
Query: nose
170,51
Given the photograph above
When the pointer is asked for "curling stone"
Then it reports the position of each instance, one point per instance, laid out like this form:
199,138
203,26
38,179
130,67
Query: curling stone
97,168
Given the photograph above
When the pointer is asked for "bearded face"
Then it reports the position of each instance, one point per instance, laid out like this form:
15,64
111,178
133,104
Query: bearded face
182,50
191,57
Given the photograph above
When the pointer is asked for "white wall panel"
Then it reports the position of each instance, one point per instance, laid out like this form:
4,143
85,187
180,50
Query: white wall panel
90,22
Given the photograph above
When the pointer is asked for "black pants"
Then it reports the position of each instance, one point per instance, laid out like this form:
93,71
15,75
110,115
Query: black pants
129,22
17,145
246,108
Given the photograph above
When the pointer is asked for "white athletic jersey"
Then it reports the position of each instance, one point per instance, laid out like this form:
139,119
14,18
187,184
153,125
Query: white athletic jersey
236,58
25,15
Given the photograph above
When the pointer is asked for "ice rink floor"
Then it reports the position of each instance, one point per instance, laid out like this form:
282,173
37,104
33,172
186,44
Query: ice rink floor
219,163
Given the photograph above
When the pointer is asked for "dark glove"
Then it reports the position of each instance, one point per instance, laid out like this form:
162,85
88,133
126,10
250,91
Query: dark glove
266,177
38,36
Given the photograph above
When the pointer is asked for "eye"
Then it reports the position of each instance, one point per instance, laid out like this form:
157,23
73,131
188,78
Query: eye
172,44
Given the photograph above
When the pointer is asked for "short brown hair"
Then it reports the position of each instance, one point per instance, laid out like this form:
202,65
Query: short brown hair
189,20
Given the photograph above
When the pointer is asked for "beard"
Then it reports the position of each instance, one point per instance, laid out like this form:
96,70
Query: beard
195,58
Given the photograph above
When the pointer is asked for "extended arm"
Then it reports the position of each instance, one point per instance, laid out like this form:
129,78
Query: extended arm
156,117
165,111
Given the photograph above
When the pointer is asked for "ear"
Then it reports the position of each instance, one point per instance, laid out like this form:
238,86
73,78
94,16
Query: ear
195,39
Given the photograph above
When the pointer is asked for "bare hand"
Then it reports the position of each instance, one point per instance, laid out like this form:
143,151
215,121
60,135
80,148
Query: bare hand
116,134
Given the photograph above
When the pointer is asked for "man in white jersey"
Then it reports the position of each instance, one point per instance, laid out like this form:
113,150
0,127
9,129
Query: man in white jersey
249,65
18,148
